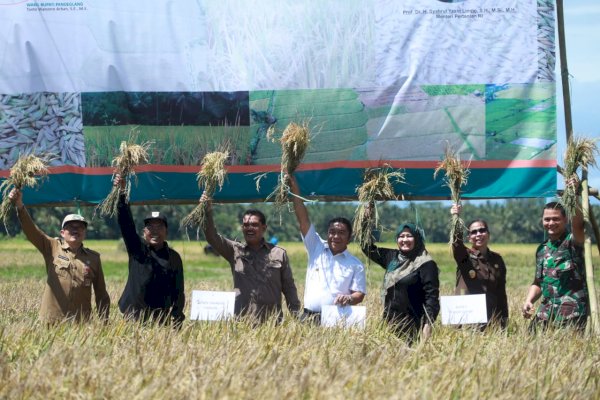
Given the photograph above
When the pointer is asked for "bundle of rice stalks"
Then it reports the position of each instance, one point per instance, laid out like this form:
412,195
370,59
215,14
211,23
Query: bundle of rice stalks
294,143
24,173
211,175
130,156
378,184
580,152
455,177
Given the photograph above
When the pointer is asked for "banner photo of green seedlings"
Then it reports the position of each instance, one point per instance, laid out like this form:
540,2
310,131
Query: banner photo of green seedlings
183,126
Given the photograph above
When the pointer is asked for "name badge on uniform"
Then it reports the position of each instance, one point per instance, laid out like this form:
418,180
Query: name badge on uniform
63,257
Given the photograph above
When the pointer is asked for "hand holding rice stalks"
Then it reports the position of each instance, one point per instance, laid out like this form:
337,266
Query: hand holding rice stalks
130,156
378,184
294,143
580,152
24,173
455,177
211,175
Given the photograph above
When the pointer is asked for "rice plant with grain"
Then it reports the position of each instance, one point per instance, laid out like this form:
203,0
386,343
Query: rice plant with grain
580,153
131,155
123,359
455,177
294,140
378,185
211,176
27,171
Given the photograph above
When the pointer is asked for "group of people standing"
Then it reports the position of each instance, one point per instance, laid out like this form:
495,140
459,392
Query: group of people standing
262,274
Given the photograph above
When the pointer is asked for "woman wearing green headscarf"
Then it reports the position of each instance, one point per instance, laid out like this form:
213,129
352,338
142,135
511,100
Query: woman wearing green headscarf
411,284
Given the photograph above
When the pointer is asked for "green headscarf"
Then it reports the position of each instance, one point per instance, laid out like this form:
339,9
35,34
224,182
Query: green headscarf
419,244
406,263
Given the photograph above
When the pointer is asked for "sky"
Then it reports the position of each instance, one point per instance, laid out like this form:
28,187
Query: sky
582,31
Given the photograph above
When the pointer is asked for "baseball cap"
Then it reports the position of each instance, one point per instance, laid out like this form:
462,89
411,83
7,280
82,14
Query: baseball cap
73,217
156,215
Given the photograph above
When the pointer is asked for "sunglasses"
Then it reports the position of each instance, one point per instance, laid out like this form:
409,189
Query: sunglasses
476,231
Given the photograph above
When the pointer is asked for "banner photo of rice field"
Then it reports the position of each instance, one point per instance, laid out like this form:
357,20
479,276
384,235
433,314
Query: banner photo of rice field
378,82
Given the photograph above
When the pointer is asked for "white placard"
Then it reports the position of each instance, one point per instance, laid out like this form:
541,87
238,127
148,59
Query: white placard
344,316
212,306
467,309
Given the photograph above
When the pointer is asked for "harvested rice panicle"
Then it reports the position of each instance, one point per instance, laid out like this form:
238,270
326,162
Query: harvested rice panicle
294,140
580,152
456,175
378,184
130,156
26,172
294,143
211,175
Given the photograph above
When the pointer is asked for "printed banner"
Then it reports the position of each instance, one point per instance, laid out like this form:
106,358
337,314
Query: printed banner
378,82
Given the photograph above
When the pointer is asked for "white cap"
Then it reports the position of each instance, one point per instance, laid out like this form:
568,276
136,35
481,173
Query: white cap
73,217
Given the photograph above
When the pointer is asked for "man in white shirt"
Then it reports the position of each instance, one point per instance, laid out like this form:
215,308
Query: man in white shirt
333,276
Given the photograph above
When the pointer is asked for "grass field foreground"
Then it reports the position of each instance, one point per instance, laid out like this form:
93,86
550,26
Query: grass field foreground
122,359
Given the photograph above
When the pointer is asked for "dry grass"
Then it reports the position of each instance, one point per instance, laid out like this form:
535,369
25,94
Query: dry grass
130,156
580,153
123,360
26,172
378,185
455,177
294,140
211,175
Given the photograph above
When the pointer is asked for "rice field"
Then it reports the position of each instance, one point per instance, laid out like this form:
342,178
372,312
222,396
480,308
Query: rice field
171,145
204,360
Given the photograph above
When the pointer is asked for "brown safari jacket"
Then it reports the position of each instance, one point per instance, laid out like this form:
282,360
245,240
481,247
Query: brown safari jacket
71,275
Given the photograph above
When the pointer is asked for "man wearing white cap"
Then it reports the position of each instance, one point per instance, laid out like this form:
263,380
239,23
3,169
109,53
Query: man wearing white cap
154,289
72,268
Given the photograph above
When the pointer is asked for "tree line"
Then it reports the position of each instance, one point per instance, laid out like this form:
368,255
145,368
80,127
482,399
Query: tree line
511,221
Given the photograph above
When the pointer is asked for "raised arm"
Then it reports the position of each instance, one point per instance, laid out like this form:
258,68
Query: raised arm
35,235
381,256
299,207
577,223
210,231
132,240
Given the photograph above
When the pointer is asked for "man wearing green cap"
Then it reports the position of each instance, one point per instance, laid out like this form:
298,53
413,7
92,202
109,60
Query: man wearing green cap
72,268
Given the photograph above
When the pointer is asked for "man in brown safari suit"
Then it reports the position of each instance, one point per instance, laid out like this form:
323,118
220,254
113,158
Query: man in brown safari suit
72,268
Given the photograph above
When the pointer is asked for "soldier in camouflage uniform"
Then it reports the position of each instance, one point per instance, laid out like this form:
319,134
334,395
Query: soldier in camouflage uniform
560,273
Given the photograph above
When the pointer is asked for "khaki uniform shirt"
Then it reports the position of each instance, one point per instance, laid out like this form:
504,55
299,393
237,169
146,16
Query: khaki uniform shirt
71,276
259,276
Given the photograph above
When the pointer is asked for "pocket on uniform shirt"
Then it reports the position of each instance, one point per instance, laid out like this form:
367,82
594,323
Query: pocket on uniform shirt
273,267
61,267
88,275
239,264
